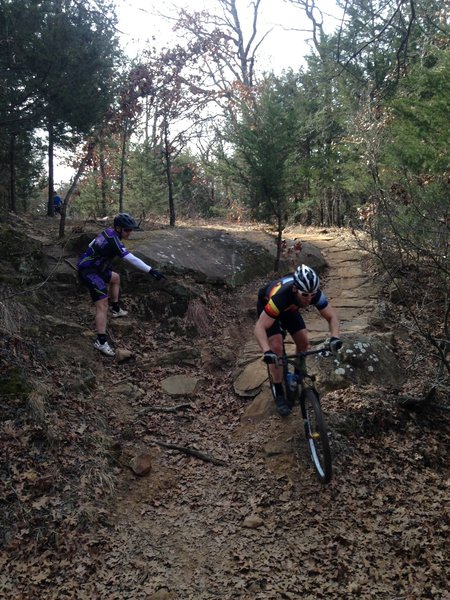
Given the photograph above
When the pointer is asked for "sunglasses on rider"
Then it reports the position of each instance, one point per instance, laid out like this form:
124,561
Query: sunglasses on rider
306,294
127,230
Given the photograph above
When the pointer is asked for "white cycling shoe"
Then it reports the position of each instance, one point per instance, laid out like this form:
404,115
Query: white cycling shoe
104,348
119,313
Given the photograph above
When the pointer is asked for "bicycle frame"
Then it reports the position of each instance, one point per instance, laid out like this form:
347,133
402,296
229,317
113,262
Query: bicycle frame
298,361
299,392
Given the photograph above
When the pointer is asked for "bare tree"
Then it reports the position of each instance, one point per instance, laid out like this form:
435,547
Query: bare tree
229,52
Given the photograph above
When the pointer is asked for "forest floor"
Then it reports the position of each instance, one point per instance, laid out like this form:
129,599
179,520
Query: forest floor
249,521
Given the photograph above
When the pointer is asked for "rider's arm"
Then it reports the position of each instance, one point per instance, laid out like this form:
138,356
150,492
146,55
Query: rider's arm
330,314
137,262
262,325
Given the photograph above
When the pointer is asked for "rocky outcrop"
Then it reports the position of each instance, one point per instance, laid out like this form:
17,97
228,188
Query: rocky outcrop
195,260
208,255
363,360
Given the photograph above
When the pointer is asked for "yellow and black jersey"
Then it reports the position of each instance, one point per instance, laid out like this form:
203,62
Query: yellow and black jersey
278,298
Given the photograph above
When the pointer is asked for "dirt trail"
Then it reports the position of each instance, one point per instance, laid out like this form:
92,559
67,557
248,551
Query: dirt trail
348,287
350,290
259,527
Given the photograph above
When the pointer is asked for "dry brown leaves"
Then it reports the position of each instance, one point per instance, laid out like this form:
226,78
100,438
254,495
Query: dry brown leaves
78,524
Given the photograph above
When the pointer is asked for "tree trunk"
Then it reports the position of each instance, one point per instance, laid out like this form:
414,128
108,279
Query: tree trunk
122,164
50,207
12,174
147,120
279,240
339,218
73,185
167,156
103,184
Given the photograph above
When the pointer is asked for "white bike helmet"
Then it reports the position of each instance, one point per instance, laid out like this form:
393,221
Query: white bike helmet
306,279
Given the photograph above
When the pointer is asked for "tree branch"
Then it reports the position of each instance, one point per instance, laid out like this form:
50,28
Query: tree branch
190,452
163,409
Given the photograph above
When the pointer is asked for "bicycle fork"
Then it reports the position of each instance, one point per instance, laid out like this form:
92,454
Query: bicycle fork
309,434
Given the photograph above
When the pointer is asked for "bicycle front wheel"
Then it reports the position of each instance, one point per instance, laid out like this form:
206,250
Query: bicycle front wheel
316,435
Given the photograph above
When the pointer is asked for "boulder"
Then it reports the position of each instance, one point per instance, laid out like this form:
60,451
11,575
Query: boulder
180,385
182,356
261,407
210,255
20,257
63,327
308,254
363,360
249,381
141,464
123,355
253,522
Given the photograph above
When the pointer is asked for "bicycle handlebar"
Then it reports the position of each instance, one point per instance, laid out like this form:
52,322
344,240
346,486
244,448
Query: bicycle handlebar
301,355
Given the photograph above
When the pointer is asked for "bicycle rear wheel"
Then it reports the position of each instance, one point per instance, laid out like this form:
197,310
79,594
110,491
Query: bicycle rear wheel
316,435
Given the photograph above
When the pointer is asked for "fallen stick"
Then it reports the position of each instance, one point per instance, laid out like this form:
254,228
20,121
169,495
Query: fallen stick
163,409
191,452
69,263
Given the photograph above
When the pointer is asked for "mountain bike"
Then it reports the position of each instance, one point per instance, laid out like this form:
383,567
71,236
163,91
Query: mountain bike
299,389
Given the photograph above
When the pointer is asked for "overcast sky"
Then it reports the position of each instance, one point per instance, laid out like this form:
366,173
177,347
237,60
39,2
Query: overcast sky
283,48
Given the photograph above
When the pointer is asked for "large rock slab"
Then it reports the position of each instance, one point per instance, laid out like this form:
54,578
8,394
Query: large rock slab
209,255
261,407
248,383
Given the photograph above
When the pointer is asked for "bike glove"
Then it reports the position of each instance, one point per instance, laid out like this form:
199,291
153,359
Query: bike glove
270,358
156,274
335,344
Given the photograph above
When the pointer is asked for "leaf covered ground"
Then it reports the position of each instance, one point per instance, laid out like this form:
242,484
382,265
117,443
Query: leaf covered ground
78,523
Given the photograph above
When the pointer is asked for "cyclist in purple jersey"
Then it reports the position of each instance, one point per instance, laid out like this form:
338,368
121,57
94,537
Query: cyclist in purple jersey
278,308
95,271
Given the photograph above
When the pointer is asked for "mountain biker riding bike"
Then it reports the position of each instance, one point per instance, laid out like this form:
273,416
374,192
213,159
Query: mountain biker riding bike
278,308
95,271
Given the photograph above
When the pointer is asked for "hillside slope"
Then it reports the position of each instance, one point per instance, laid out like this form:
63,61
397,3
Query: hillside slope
244,519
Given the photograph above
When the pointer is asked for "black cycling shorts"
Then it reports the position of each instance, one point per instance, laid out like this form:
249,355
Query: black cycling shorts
291,321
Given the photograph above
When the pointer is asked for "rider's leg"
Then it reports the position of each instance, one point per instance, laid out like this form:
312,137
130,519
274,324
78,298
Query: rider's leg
301,340
276,345
114,287
276,376
114,292
101,317
97,284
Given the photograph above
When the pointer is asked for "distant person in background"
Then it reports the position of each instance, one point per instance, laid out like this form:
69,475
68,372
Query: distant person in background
57,203
95,271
